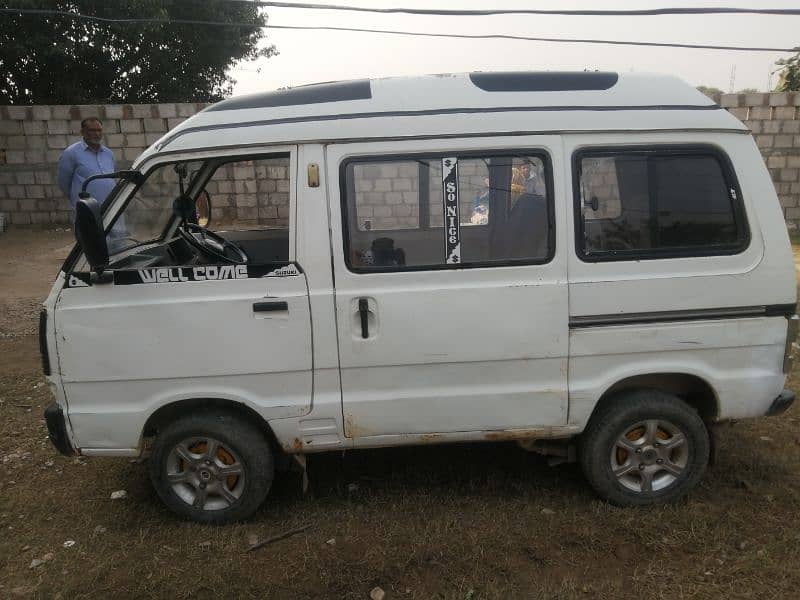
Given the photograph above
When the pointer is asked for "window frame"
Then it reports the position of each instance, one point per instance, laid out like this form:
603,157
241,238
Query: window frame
344,165
741,223
205,155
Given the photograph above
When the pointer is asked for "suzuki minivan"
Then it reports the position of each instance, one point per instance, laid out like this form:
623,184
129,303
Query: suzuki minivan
591,264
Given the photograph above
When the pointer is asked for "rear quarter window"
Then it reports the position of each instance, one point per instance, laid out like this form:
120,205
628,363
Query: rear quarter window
665,202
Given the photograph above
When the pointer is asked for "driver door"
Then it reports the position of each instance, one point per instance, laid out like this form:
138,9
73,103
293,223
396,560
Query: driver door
175,324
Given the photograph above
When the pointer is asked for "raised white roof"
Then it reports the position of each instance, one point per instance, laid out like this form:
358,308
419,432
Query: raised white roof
453,104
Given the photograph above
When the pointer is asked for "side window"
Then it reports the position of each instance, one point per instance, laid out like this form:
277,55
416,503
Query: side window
386,195
435,212
635,204
251,194
250,206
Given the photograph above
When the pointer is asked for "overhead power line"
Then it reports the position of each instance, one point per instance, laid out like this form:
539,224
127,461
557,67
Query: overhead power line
492,36
498,36
649,12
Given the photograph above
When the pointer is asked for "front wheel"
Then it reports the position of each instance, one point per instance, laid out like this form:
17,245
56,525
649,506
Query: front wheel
644,447
212,467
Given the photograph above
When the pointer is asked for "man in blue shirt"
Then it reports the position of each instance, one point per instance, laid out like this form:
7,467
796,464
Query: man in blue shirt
83,159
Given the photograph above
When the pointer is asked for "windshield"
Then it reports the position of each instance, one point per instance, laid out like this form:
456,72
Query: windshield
148,212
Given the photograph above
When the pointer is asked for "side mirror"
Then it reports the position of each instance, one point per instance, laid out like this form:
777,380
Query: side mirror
90,234
202,208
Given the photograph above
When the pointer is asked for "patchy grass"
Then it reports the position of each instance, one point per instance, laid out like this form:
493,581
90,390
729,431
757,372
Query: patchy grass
452,522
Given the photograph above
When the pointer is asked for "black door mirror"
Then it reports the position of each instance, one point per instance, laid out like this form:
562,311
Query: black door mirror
90,234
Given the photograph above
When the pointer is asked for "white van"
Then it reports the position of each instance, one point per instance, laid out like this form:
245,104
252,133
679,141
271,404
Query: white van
595,265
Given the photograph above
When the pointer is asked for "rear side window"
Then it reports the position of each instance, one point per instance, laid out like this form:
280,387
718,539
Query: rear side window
434,212
637,204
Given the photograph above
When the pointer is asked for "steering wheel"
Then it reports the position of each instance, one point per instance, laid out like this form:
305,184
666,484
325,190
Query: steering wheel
211,243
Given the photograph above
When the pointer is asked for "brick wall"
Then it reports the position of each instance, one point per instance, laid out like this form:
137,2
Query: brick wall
774,120
251,193
33,137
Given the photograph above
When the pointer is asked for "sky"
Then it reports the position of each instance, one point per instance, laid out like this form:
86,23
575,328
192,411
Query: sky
315,56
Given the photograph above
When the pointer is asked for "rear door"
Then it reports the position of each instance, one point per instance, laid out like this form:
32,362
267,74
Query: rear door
451,293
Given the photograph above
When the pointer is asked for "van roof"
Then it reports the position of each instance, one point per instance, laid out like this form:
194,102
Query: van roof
490,103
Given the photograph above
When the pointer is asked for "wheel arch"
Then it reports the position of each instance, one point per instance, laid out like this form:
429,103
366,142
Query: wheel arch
168,413
693,390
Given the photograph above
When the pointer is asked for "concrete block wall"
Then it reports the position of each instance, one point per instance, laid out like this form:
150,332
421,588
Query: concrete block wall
387,195
33,137
246,194
774,119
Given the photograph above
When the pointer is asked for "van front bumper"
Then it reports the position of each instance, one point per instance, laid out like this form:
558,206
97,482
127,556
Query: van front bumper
57,429
781,403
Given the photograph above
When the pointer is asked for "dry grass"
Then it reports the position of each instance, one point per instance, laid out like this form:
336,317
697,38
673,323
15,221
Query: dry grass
447,522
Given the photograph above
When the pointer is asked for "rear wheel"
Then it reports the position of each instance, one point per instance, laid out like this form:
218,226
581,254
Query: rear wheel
644,447
212,467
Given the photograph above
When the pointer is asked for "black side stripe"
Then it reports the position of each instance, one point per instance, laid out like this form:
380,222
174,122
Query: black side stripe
781,310
671,316
449,136
155,275
431,112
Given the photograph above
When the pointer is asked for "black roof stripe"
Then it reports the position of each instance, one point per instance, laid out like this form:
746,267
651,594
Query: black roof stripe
317,93
555,81
429,112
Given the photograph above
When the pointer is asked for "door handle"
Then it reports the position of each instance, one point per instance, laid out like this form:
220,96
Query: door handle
363,311
270,306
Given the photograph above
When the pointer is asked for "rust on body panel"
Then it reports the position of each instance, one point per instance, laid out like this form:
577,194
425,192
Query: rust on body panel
352,430
296,445
528,433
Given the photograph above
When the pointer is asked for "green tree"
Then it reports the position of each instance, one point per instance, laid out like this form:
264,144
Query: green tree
790,73
708,90
61,59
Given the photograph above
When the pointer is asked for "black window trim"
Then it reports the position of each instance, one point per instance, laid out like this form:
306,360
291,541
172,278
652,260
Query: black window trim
540,153
741,223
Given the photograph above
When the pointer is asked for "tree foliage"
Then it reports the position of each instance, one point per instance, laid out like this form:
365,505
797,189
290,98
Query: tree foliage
60,59
708,90
790,73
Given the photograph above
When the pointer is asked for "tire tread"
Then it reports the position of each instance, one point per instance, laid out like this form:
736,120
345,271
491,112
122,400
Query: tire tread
629,407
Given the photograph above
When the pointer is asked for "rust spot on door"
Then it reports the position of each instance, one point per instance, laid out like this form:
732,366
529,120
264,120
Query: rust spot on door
518,434
352,430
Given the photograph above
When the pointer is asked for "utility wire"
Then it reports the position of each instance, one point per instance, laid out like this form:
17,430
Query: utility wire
650,12
72,15
498,36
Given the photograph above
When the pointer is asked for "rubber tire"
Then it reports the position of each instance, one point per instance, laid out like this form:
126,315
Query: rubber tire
624,410
243,437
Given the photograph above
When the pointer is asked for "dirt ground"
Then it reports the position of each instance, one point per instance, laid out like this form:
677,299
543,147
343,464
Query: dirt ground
453,522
